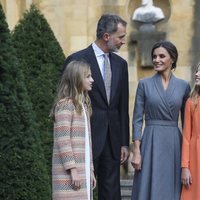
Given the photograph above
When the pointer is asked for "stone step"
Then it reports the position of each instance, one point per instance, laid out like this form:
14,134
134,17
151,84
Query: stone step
126,189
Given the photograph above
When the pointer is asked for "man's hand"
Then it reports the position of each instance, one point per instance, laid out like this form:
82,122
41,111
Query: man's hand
124,154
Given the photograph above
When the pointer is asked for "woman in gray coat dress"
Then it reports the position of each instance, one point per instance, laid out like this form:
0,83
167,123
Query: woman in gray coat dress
156,152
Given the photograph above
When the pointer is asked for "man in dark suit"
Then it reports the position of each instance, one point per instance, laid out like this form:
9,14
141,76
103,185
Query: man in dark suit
109,98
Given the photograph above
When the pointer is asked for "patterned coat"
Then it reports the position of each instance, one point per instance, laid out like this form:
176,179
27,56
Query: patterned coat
69,152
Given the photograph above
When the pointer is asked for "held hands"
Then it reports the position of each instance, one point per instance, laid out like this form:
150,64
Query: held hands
186,177
76,182
124,154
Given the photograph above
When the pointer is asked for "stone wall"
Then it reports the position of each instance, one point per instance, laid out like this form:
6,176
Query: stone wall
74,24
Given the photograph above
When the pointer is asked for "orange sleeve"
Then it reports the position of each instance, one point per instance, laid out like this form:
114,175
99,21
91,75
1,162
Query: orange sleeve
187,133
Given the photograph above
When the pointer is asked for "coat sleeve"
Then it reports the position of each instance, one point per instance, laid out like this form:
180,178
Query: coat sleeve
124,107
187,133
63,134
138,113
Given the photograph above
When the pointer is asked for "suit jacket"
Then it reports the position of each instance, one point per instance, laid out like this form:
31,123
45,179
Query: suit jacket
107,118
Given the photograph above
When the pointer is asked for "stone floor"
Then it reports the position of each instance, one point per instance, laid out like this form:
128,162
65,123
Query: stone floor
126,189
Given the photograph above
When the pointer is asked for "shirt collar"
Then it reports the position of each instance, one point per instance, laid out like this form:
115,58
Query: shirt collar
98,52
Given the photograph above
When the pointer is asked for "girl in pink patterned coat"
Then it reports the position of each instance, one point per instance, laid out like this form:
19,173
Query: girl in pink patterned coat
72,167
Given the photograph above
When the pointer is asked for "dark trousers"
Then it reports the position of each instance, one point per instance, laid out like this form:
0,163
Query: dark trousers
107,171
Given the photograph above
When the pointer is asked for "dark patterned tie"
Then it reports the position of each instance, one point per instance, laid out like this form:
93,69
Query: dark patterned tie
107,76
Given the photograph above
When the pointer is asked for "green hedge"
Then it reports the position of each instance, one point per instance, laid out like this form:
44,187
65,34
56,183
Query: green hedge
23,171
41,59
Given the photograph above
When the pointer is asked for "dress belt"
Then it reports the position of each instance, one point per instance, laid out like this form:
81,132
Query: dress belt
161,123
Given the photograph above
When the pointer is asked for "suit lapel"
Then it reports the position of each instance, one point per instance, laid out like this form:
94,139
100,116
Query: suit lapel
96,73
115,76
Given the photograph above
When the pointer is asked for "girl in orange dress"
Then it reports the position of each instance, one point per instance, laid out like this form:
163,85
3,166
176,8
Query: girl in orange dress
190,176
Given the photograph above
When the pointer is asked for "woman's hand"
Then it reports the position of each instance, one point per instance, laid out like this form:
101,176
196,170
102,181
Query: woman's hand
186,177
136,159
76,182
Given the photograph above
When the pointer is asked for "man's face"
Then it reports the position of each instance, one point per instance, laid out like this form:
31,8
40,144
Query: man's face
117,39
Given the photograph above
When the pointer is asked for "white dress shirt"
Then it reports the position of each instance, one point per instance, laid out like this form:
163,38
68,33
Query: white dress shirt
100,57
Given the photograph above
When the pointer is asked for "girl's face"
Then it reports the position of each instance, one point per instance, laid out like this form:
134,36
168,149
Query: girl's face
197,76
87,81
161,60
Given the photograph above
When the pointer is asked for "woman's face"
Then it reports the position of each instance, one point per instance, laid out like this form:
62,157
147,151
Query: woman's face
197,76
161,60
87,81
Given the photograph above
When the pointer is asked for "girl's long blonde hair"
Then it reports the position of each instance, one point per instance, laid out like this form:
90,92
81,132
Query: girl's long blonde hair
195,92
71,86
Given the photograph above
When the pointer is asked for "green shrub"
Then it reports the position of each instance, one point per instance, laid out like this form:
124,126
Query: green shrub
41,59
23,174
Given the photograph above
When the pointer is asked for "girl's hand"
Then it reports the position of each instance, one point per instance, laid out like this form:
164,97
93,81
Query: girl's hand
76,182
94,182
186,177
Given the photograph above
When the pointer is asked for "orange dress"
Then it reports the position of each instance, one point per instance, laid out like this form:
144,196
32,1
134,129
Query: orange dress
191,149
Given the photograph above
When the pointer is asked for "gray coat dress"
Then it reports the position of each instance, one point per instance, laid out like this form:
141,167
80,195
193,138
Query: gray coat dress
159,178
